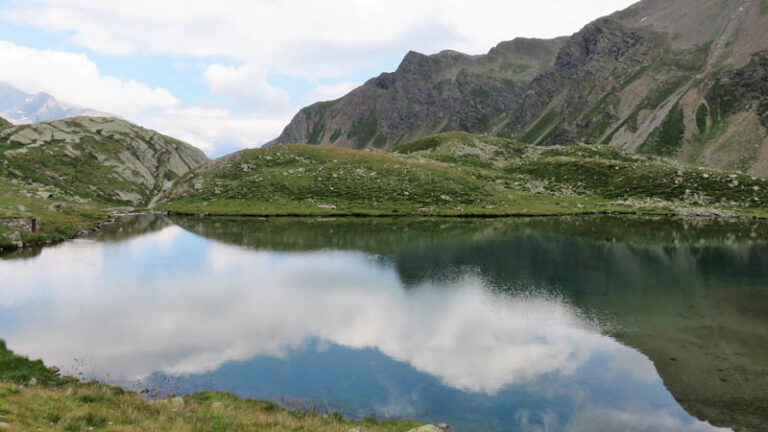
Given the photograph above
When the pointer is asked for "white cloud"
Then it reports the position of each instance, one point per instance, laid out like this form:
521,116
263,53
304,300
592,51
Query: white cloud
247,85
305,37
215,130
75,79
325,92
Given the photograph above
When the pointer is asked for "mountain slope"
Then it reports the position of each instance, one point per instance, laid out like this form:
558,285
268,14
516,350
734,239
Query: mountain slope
99,159
651,78
22,108
426,95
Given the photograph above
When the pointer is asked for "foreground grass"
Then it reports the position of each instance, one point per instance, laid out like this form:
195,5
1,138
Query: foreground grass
458,174
53,403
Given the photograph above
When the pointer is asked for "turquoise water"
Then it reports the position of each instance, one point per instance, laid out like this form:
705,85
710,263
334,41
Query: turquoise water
529,325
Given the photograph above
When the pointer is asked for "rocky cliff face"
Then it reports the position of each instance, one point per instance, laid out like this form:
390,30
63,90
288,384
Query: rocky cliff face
641,79
93,158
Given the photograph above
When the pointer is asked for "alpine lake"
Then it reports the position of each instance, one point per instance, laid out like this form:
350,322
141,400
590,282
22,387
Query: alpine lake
600,323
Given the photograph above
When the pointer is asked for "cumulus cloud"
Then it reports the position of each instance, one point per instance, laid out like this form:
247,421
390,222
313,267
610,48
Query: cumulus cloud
247,85
216,130
304,36
75,79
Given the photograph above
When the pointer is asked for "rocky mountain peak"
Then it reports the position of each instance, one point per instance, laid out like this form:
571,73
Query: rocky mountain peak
22,108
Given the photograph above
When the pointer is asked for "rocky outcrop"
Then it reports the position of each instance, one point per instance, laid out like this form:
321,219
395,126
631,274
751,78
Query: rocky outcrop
634,79
94,158
741,90
20,224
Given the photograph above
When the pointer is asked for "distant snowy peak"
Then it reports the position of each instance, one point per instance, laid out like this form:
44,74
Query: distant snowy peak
19,107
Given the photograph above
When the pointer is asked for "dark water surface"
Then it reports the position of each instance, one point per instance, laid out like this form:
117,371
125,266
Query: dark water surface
581,324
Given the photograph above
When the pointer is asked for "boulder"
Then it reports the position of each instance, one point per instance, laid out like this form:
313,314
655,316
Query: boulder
177,402
426,428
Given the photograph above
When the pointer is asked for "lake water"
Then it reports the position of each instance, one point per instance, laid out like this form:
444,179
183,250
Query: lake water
570,324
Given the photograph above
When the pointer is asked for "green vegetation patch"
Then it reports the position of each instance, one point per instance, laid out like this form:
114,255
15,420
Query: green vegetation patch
667,139
316,133
479,93
21,370
702,113
363,130
541,126
335,135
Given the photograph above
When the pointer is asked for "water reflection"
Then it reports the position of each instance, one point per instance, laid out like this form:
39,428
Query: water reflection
487,325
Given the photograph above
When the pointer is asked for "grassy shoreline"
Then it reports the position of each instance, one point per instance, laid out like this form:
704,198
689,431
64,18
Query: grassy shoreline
449,175
34,397
60,234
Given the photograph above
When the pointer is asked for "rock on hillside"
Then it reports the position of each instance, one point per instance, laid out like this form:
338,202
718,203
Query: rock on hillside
94,158
650,78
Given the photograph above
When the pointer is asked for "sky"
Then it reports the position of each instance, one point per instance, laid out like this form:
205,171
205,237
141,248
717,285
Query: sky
230,74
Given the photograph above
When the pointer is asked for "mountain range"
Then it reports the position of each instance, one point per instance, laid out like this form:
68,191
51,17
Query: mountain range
19,107
686,79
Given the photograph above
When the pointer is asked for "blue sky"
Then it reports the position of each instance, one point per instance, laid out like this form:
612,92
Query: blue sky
230,74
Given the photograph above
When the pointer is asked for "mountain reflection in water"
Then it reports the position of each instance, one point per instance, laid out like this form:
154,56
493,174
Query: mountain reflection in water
521,324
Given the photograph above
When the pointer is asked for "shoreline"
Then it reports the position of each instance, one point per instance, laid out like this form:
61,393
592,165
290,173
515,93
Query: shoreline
113,218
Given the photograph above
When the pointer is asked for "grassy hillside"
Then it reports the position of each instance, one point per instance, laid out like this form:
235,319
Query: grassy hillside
33,397
460,174
104,160
305,179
